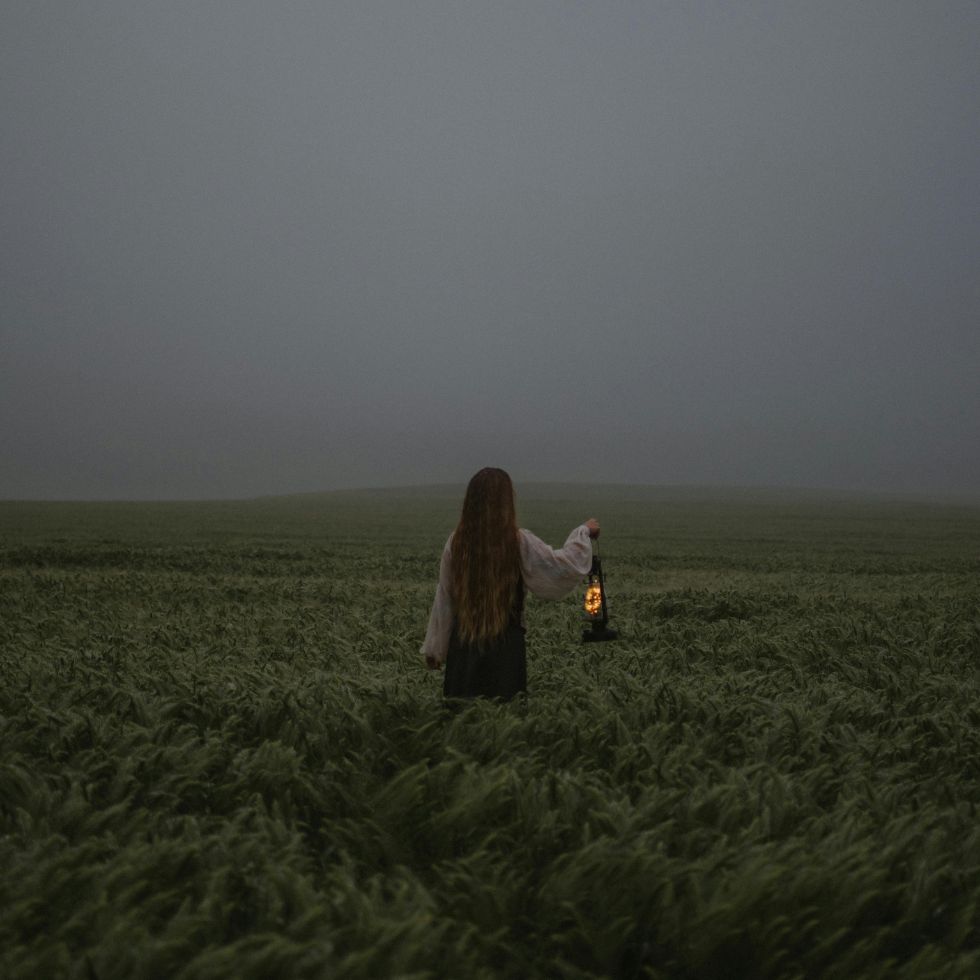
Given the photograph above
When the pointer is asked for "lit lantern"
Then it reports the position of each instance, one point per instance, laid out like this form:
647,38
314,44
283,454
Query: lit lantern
595,610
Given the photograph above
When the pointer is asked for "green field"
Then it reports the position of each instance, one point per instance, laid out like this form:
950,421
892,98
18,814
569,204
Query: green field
220,755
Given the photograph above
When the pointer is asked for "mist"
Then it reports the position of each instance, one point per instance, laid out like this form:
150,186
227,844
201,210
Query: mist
253,249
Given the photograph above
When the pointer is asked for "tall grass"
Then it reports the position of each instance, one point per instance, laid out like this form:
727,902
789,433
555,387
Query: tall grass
220,755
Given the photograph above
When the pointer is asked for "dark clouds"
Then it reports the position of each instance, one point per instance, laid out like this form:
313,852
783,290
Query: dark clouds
253,248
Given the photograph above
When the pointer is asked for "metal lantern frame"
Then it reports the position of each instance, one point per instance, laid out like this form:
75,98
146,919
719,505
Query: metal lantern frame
598,618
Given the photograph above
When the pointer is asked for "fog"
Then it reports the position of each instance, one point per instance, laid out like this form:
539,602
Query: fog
252,248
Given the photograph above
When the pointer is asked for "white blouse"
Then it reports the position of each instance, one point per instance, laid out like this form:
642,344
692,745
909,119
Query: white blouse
547,572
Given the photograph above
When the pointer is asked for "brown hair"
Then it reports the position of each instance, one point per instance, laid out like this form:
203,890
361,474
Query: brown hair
486,557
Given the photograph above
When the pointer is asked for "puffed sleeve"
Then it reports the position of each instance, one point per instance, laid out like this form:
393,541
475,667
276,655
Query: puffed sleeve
550,573
440,626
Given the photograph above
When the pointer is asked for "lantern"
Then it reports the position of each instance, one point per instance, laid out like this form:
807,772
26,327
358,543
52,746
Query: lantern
594,608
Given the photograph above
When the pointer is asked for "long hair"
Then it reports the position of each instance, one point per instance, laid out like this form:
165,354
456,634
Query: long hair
486,557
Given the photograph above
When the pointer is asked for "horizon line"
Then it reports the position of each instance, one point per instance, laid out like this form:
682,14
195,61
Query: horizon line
963,497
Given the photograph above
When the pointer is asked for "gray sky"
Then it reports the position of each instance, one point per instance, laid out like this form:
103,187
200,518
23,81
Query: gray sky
255,248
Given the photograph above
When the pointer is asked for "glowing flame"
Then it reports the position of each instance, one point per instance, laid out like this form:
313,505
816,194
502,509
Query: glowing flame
593,599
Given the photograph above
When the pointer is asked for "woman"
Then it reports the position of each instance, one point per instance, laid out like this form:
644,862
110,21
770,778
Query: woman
476,627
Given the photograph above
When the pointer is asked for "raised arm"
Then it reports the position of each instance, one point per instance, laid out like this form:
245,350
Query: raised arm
552,573
436,643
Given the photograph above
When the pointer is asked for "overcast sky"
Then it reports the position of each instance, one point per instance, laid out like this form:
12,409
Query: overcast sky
274,247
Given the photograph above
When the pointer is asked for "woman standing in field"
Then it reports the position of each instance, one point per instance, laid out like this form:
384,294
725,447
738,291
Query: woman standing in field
476,627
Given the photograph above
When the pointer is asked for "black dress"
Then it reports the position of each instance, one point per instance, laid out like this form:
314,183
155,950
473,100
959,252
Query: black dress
497,669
